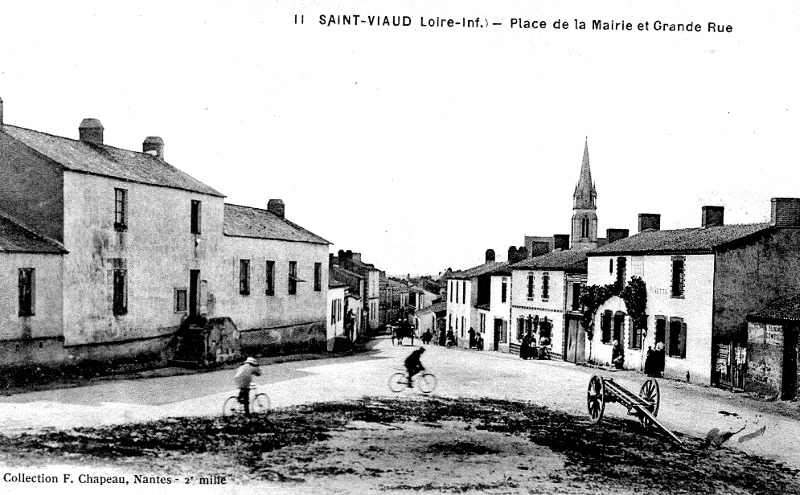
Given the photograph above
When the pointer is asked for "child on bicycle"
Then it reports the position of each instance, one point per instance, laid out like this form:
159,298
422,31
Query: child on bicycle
243,378
413,364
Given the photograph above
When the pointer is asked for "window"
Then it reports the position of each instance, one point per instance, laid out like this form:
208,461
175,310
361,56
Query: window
451,291
676,338
270,278
456,284
605,327
677,276
585,227
621,262
180,300
120,209
450,322
463,324
619,326
119,286
27,291
244,277
464,292
333,312
530,286
635,335
576,297
483,323
292,277
545,286
196,212
317,277
503,290
611,266
504,332
520,328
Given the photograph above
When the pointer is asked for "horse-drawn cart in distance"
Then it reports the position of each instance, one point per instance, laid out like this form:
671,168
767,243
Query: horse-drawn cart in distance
644,406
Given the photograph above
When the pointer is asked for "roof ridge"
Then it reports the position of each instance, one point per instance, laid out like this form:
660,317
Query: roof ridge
30,230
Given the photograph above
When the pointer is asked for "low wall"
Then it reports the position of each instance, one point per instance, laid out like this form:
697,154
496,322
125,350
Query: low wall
287,339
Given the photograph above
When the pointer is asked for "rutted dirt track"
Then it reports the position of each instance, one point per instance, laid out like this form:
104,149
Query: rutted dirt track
410,445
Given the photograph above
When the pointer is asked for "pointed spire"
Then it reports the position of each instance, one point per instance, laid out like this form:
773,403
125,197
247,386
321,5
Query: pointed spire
585,194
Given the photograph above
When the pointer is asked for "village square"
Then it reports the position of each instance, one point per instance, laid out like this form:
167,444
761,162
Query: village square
131,291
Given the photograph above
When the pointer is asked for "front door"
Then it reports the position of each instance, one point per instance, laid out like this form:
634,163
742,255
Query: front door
789,385
194,289
575,347
498,328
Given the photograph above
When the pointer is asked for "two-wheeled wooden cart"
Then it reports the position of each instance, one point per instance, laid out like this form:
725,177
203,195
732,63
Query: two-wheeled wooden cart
644,406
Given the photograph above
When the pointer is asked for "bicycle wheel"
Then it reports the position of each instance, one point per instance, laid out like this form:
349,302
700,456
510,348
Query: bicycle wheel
426,382
397,382
231,406
260,403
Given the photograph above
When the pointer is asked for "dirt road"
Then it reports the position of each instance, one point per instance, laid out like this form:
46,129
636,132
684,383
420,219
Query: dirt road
560,386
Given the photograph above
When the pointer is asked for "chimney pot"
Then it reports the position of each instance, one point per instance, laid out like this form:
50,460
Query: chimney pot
489,255
91,131
649,221
613,235
277,207
785,212
153,145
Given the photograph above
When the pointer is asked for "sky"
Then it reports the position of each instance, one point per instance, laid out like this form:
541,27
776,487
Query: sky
422,147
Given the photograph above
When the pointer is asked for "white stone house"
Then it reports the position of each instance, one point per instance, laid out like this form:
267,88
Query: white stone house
701,283
544,299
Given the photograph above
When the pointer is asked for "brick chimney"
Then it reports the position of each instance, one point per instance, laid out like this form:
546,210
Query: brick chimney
613,235
91,131
489,255
713,216
560,242
153,145
649,221
277,207
785,212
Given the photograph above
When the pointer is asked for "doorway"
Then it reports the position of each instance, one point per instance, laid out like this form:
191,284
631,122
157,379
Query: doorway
789,385
575,345
194,288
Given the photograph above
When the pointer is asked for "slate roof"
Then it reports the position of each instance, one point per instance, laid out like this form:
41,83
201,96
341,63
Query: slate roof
14,238
433,308
492,267
101,159
335,284
697,240
569,260
782,309
246,221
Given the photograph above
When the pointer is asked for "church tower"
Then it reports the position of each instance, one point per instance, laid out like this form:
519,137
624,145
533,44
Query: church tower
584,205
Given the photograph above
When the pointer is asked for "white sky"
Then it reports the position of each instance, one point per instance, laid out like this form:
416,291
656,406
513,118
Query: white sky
422,147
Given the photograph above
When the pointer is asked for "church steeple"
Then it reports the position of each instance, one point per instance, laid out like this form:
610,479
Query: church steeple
584,205
585,195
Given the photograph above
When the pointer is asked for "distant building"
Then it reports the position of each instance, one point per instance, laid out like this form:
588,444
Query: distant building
584,220
772,348
351,261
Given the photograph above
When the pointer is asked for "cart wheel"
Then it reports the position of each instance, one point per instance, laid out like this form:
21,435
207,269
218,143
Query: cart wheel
596,399
652,395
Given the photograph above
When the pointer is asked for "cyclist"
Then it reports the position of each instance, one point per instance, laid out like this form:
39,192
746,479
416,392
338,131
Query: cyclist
243,378
413,364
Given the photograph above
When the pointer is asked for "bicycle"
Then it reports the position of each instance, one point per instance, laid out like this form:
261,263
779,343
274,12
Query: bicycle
424,380
259,403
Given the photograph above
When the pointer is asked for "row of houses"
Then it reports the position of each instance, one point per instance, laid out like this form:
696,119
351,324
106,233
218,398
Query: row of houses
116,257
703,286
